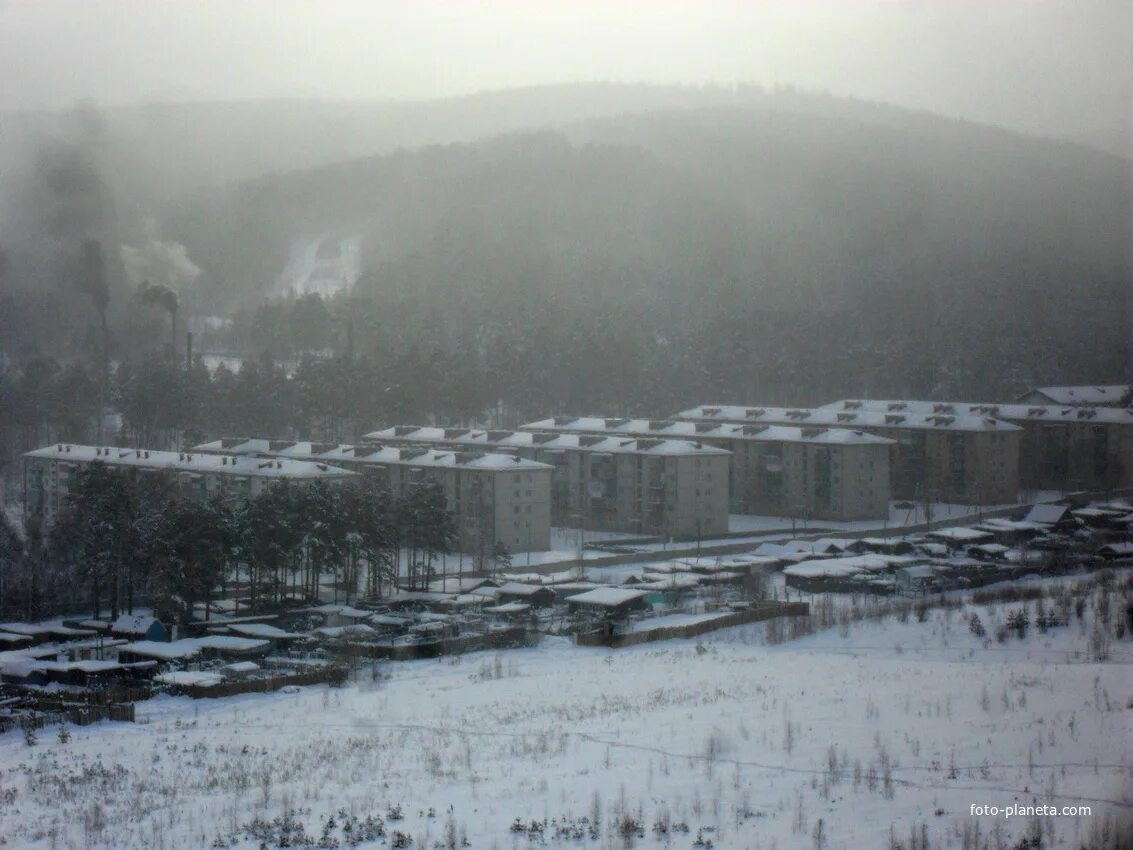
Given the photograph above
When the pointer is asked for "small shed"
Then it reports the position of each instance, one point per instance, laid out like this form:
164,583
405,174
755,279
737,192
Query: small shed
918,578
34,633
825,575
341,615
1115,551
960,536
240,670
573,588
389,624
8,640
510,610
150,650
609,601
140,627
539,596
279,638
1009,531
1057,516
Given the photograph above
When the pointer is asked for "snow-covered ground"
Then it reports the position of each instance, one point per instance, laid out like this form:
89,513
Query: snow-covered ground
322,265
830,740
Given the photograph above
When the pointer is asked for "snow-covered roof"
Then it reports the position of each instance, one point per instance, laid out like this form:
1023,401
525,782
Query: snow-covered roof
996,524
189,677
823,568
679,429
231,643
262,630
455,584
171,651
133,624
868,563
189,462
1109,394
25,629
960,534
514,588
241,667
409,435
1047,514
374,454
574,574
567,588
1007,412
726,563
388,620
356,630
607,597
508,608
779,552
90,666
847,418
523,578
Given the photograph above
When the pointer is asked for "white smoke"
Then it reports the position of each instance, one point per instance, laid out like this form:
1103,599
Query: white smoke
159,261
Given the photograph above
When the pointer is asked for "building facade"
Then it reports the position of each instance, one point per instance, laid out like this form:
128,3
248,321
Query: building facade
946,456
789,471
494,498
1067,448
50,471
670,488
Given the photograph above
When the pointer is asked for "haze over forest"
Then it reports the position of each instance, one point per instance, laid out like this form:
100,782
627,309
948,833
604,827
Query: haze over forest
586,247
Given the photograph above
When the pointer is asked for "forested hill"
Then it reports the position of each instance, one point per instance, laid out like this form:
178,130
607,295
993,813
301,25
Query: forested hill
811,248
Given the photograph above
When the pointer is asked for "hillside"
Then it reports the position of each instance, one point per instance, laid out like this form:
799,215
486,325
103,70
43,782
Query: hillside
894,236
779,247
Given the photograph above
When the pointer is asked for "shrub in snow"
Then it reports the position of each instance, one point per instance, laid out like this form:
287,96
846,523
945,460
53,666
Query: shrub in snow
976,627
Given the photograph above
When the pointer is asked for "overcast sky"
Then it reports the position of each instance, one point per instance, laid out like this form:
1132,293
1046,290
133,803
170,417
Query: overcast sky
1059,67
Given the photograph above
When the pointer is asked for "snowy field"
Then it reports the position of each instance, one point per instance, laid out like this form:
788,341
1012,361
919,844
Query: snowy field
830,740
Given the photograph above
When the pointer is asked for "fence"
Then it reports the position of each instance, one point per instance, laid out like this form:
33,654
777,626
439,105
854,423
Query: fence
502,639
764,611
253,686
42,712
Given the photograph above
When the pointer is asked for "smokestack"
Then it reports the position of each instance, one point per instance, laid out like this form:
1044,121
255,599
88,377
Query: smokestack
350,339
188,349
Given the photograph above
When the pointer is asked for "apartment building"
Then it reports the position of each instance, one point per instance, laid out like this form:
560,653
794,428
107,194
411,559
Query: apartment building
49,472
671,488
963,458
494,498
790,471
1062,447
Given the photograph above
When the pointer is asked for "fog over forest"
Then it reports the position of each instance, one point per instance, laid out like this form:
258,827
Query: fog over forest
584,248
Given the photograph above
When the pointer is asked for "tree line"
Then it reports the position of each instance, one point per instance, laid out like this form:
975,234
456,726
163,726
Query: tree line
123,540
